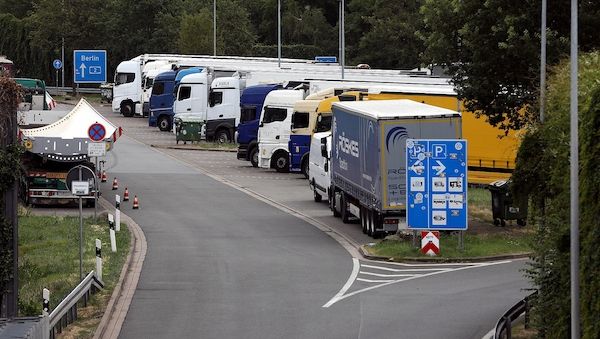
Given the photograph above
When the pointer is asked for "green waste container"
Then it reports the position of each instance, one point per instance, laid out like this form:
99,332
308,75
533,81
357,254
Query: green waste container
188,127
504,206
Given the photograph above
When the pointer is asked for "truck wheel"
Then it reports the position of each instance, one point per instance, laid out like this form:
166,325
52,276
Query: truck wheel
223,137
370,222
305,167
363,219
332,205
317,196
282,162
163,124
127,109
254,157
344,209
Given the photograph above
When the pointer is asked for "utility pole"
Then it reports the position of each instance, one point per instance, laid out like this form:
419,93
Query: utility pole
279,33
342,40
543,63
214,27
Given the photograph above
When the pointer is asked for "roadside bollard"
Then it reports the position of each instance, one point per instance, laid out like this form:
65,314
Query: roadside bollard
99,258
117,213
46,302
113,238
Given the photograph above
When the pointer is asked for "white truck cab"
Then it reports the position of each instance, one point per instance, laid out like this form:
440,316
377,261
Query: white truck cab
192,94
274,128
319,174
223,111
128,81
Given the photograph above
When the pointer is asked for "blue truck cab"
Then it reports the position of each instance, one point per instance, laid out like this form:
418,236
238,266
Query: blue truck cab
251,104
161,101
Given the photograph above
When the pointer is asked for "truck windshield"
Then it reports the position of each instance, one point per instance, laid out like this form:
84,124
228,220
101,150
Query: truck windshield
324,125
300,120
248,113
274,114
158,88
124,78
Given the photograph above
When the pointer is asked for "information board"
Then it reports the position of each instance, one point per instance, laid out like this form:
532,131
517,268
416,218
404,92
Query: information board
436,184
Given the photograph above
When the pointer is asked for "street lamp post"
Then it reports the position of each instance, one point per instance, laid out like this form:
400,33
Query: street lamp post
214,27
279,33
342,40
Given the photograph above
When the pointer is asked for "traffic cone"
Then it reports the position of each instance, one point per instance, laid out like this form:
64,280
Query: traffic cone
136,202
126,195
115,184
103,178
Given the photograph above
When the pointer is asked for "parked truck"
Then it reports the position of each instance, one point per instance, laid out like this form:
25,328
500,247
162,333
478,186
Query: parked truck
251,105
164,89
368,157
52,150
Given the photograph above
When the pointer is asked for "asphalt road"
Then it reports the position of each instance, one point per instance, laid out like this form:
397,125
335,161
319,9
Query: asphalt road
222,264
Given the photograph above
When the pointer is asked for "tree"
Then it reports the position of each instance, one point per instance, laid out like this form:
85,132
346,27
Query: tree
492,52
196,33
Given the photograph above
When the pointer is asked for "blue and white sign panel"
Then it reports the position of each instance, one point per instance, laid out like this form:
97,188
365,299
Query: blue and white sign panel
436,184
326,59
57,63
89,66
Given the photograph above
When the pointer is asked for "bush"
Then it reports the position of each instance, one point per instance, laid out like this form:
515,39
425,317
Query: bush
542,172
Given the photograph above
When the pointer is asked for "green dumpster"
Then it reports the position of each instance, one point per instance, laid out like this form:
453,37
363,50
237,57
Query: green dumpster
188,127
505,206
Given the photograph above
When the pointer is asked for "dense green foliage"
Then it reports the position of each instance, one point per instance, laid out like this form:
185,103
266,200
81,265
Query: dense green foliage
542,172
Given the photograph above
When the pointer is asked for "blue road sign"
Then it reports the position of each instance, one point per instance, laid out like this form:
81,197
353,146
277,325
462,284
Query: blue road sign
89,66
326,59
436,184
57,64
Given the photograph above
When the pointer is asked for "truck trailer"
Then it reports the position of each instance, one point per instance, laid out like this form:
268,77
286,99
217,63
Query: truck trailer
368,157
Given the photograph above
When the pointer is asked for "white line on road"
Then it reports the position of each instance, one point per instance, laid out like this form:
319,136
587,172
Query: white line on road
408,269
353,275
387,275
374,281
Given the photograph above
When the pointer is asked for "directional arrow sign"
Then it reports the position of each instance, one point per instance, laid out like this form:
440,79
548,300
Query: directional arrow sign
439,168
89,66
417,167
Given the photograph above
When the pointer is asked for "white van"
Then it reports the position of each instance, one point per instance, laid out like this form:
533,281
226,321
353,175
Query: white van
319,173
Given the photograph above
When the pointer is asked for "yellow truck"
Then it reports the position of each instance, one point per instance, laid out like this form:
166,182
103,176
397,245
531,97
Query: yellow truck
491,153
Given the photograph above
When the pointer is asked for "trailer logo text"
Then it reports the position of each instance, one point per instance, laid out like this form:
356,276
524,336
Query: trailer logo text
348,146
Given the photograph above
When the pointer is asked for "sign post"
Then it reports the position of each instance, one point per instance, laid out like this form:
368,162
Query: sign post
79,180
436,185
57,64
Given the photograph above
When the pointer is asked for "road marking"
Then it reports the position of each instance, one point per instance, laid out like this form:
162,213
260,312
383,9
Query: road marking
408,269
341,294
374,281
387,275
353,275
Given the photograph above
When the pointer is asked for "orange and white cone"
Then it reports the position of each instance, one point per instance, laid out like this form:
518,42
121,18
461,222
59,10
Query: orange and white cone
103,178
126,195
115,184
136,202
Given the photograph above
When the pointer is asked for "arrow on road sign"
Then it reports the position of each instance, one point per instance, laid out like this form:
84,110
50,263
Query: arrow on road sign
82,70
439,168
417,167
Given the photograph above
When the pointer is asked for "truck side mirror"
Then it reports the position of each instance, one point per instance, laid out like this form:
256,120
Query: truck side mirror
324,151
326,166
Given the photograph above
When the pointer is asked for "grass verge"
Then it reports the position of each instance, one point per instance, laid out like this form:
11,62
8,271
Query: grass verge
480,245
49,258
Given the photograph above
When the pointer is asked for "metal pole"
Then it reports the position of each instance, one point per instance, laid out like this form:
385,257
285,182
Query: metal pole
80,233
343,54
63,62
96,192
279,33
575,329
543,63
215,27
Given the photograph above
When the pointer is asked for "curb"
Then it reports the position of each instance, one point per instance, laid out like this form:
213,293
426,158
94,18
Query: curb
365,253
120,300
187,148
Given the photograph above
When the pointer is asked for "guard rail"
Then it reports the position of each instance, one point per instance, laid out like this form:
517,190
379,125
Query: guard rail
503,327
56,90
66,312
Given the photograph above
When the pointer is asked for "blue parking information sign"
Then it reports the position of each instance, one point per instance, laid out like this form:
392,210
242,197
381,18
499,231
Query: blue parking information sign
89,66
436,184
